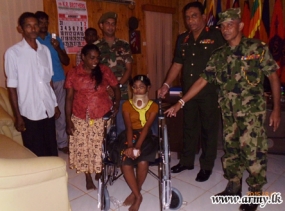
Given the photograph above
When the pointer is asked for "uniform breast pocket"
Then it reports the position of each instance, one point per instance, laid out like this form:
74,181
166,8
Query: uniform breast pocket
222,74
251,72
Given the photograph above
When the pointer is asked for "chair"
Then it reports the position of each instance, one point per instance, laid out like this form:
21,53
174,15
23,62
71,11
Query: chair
7,118
31,183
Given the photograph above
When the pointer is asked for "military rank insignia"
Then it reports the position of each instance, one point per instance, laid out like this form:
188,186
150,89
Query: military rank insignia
207,41
250,57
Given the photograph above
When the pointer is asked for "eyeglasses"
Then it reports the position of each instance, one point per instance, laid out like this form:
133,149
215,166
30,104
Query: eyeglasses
140,87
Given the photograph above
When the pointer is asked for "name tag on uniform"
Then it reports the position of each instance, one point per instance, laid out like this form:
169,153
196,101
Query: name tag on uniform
207,41
250,57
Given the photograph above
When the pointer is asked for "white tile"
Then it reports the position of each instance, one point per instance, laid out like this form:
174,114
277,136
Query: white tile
278,186
277,157
190,176
189,192
220,153
197,156
74,192
219,187
276,166
271,178
84,203
80,182
204,203
149,202
218,168
174,155
71,172
189,172
195,194
154,169
94,193
149,183
272,207
117,192
173,160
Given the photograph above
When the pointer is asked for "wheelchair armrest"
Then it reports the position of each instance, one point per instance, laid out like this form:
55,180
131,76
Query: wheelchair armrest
160,111
160,114
108,115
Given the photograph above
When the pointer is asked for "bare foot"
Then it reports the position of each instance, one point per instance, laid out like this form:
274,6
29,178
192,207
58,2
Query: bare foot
136,205
129,200
90,185
97,176
89,182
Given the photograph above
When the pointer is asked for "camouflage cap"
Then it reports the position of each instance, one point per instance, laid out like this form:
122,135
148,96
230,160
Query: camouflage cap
229,15
107,15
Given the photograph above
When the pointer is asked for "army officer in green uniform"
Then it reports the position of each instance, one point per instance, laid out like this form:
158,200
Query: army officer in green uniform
193,50
239,68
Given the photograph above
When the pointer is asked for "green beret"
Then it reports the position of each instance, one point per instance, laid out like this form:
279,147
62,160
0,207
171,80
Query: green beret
107,15
229,15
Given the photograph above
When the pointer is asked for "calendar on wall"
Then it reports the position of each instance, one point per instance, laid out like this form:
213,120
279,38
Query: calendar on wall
72,23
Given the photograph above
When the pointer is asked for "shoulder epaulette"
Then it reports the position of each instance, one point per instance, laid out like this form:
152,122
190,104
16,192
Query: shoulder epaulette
121,40
98,41
219,48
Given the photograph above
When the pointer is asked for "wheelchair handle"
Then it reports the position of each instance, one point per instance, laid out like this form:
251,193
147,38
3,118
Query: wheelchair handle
108,115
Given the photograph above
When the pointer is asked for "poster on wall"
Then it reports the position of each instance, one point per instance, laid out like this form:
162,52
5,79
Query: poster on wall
72,23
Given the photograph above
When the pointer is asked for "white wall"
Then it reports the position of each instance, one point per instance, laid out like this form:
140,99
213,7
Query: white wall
10,11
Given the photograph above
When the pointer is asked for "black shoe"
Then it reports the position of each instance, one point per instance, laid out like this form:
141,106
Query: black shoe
251,207
178,168
203,175
248,207
232,189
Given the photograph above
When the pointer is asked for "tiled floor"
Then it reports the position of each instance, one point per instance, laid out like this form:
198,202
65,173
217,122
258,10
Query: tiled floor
196,196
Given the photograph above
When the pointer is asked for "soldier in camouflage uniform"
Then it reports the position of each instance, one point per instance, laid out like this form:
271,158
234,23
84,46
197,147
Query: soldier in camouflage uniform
116,54
239,68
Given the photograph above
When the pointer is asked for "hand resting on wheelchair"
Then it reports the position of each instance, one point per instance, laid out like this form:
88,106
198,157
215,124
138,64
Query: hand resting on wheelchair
109,114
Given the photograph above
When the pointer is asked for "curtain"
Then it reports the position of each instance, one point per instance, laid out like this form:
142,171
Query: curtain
159,48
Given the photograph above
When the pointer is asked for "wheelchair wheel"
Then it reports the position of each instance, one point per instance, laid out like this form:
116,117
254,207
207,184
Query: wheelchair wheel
176,199
106,200
160,175
111,174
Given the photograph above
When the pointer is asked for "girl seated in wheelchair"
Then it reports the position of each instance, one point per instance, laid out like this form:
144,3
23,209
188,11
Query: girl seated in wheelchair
139,113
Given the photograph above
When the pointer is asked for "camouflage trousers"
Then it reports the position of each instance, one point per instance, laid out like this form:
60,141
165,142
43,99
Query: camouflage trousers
245,146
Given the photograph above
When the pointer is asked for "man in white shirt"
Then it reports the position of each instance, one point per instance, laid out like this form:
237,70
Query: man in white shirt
29,70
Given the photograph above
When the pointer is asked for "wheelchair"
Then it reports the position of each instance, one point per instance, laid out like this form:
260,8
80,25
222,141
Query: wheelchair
169,197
